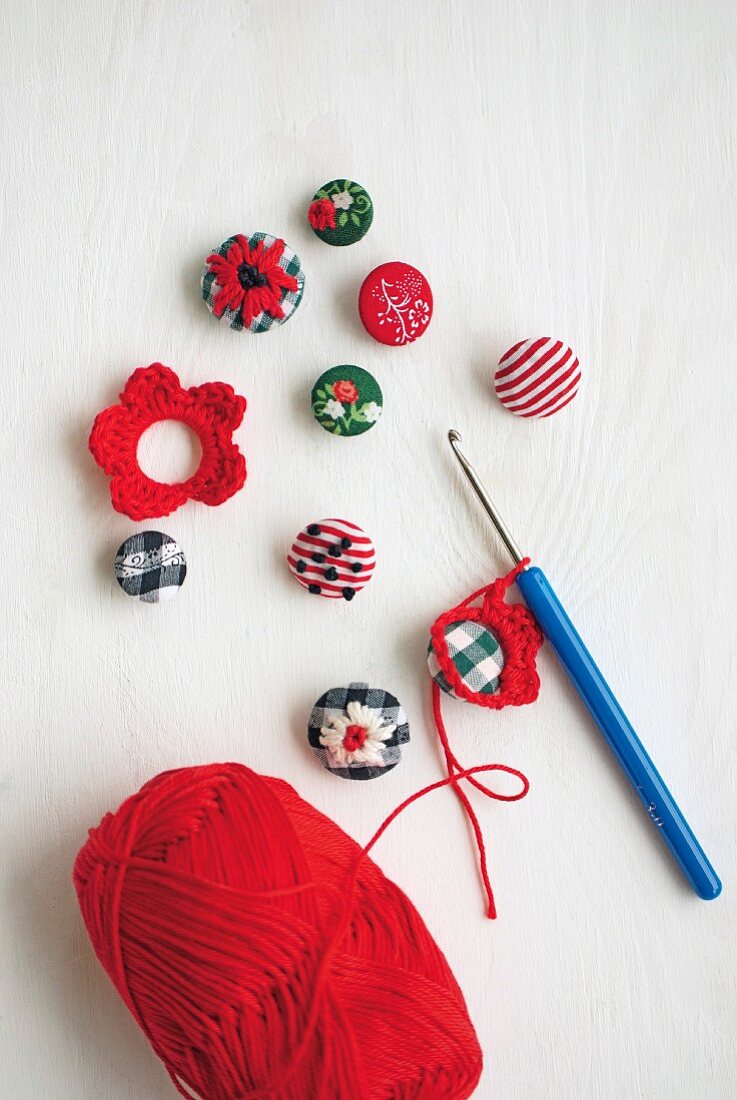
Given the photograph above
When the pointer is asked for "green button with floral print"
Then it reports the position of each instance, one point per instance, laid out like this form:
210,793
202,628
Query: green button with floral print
346,400
341,212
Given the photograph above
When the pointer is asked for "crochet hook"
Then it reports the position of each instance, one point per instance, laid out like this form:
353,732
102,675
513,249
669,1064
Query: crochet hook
601,702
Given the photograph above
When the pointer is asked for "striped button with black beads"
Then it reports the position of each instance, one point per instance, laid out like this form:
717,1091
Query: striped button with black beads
332,558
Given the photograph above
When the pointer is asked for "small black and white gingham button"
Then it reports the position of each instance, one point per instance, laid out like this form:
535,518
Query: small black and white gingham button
357,732
150,566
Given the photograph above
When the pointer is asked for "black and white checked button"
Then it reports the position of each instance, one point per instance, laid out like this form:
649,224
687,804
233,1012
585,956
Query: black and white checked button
150,566
357,732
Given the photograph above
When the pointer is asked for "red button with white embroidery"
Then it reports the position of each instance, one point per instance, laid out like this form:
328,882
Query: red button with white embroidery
395,303
332,558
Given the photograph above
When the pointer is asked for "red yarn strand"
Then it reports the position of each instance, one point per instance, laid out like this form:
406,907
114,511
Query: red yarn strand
520,639
456,773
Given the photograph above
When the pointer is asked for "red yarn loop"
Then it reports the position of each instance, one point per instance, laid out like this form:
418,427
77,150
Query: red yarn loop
460,773
213,411
263,953
520,639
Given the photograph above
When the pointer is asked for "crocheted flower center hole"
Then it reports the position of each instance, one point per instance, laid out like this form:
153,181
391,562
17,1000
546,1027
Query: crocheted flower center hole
249,276
355,738
169,452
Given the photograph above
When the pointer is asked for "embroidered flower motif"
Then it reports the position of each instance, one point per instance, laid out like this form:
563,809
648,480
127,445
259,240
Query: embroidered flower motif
213,411
343,200
419,314
351,389
345,391
251,280
356,737
322,214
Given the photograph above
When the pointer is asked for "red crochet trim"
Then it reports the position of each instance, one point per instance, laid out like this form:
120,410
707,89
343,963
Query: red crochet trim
520,639
213,411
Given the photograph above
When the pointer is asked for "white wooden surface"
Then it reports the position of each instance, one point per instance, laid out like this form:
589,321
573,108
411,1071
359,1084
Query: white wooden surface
555,168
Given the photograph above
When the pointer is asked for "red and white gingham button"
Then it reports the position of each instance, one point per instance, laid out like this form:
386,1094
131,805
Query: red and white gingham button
537,378
332,558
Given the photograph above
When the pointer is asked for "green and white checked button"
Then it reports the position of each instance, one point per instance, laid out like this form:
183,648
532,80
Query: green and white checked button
476,654
253,283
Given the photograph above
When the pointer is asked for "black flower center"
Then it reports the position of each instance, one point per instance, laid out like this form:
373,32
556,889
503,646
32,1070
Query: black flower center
249,276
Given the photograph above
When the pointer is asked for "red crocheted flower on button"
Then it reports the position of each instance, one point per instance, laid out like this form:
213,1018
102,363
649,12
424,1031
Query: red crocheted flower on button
250,279
322,214
213,411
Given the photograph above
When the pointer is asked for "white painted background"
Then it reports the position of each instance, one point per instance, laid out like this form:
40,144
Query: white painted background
557,168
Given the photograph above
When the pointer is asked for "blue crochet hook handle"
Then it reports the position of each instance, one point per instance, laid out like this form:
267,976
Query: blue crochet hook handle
603,706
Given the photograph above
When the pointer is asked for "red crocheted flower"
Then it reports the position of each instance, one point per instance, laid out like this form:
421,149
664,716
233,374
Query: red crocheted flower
213,411
322,214
345,391
250,279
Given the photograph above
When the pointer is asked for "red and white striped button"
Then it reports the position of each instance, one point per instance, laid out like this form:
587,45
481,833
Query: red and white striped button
536,378
332,558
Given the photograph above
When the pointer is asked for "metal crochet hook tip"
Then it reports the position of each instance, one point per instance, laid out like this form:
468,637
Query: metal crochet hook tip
487,503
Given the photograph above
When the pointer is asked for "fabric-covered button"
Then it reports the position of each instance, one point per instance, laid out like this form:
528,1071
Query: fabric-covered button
395,303
346,400
150,566
538,377
357,732
253,282
476,654
341,212
332,558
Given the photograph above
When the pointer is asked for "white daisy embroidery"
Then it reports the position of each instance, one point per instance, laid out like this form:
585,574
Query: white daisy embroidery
356,737
372,412
343,200
334,409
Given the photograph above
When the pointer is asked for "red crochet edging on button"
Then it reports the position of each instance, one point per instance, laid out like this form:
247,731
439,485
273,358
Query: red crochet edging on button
519,637
213,411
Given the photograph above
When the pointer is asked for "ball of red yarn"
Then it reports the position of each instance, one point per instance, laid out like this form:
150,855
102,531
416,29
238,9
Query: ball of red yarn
263,953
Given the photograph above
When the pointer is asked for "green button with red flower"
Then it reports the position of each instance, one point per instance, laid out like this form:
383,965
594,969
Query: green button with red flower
253,282
347,400
341,212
